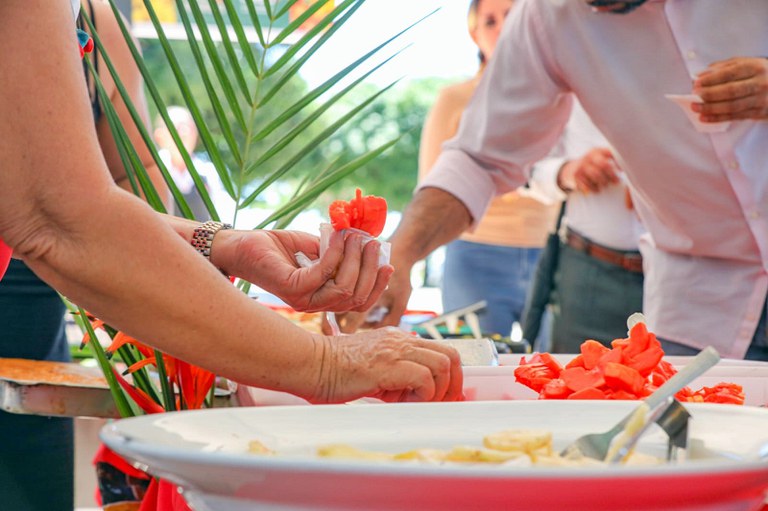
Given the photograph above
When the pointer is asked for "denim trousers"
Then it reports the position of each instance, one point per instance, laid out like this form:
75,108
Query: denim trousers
500,275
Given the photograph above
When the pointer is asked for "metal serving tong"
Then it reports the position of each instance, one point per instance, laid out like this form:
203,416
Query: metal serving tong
658,407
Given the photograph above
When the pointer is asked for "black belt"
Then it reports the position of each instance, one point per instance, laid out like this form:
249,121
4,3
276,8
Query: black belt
630,260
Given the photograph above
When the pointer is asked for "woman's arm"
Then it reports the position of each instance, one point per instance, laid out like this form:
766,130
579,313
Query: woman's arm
110,253
441,124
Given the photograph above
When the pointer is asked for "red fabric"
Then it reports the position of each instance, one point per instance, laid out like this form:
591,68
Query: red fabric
163,496
107,455
5,258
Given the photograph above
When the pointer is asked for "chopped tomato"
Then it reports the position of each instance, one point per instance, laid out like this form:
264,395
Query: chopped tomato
534,376
577,361
638,340
633,368
367,213
555,389
592,351
646,361
621,377
578,378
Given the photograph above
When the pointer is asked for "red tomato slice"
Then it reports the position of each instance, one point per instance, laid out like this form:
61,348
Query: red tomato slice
592,351
646,361
577,361
578,378
555,389
621,377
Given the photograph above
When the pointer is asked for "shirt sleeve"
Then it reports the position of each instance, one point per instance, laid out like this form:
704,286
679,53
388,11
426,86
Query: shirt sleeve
514,119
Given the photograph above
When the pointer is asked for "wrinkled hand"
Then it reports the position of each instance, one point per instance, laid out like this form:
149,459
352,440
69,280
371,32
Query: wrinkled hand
733,89
393,300
346,278
591,173
390,365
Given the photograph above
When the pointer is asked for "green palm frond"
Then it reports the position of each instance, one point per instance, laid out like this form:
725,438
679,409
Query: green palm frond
259,125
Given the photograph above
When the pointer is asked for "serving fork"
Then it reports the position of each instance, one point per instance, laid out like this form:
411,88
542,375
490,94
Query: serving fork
597,445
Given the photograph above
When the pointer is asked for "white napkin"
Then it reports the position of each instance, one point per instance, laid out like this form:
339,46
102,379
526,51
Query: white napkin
684,101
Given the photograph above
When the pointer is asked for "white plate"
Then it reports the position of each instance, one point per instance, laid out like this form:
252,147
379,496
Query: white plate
206,453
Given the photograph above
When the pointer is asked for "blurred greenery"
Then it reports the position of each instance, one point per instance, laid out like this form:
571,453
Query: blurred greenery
399,112
402,111
290,93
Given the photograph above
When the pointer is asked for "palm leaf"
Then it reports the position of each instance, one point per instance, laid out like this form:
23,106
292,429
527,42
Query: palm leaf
163,112
311,145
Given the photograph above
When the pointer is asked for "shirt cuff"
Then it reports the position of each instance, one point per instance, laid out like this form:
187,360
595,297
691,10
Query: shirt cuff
543,181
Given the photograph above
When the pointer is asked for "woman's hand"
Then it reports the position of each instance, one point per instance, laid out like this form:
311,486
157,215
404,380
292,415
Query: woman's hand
388,364
733,89
347,277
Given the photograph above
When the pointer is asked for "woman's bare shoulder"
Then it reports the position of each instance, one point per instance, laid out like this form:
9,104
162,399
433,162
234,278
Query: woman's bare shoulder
458,94
453,99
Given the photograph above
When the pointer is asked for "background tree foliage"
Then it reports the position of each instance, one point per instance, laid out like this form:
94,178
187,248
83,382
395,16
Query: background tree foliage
399,112
402,112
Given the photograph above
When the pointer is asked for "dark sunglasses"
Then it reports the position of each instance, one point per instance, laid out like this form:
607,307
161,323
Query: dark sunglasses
621,7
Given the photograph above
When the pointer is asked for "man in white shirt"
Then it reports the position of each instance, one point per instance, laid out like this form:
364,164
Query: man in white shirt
702,188
597,280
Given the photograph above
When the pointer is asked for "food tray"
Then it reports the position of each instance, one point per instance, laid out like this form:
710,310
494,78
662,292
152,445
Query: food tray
65,389
498,383
54,388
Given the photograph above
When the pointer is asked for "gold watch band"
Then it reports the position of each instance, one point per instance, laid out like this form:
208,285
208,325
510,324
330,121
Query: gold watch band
202,238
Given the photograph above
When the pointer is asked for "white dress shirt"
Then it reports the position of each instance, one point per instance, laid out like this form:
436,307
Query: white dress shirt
603,217
702,196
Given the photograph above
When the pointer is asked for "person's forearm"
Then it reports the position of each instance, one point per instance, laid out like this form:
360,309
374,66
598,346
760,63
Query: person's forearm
165,294
433,218
103,248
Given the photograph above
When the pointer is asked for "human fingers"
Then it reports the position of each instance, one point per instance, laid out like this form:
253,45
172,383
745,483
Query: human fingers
585,179
395,301
751,107
408,381
383,275
326,266
367,277
726,71
350,322
603,169
752,113
448,385
348,271
733,89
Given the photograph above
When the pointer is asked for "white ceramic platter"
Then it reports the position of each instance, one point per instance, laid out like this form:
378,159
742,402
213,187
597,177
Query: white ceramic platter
206,453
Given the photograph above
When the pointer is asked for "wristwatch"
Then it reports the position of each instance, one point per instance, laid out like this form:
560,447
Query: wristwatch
202,238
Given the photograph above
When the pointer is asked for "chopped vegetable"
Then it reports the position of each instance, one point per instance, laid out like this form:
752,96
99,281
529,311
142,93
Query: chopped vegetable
367,214
631,369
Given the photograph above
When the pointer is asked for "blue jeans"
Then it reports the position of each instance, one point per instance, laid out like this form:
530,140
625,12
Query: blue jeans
758,349
498,274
